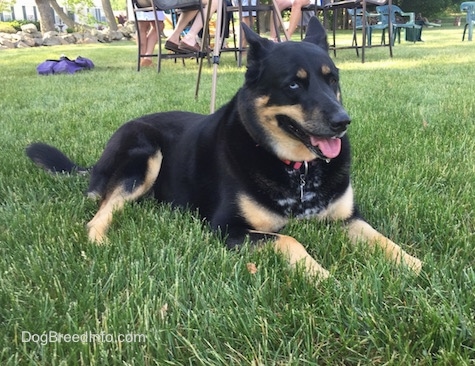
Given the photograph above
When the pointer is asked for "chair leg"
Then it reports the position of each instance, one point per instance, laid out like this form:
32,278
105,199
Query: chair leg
464,31
159,51
233,27
139,49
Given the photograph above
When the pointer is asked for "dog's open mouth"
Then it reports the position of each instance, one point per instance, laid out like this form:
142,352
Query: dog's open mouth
325,147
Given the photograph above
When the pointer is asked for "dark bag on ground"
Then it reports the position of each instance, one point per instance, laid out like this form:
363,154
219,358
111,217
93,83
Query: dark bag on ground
64,66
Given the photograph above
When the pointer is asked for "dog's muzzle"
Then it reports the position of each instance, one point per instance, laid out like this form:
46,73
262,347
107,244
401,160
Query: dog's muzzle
325,145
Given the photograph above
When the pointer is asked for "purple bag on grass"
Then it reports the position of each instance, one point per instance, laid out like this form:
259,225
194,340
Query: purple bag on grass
84,62
46,68
64,66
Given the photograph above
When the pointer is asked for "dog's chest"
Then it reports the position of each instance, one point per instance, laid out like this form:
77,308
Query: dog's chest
306,195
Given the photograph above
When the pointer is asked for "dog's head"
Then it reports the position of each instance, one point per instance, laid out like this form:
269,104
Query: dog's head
290,102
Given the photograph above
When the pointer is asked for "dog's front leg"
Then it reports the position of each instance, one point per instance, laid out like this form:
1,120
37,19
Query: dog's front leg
293,251
360,230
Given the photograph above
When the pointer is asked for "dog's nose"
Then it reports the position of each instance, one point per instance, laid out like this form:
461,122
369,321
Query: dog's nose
339,121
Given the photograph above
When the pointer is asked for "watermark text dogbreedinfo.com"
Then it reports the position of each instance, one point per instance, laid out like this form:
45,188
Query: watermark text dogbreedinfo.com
86,337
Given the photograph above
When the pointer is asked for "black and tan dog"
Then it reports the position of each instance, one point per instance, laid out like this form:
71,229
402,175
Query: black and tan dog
277,150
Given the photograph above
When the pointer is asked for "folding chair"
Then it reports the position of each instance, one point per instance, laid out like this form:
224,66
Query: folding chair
334,6
389,15
357,17
469,8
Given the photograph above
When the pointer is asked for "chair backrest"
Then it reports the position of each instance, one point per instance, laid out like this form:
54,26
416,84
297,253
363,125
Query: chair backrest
469,8
358,18
383,12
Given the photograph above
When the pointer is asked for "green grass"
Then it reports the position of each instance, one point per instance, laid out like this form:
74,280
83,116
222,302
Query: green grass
165,277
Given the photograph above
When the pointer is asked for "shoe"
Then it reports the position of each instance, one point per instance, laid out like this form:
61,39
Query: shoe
146,62
172,46
186,47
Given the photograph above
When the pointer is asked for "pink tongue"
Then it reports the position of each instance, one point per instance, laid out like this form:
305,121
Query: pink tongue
329,147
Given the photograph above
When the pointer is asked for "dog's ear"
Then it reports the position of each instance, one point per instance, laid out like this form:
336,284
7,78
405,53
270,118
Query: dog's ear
316,34
258,49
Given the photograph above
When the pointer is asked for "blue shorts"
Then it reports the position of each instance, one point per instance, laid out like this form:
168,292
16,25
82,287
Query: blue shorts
245,3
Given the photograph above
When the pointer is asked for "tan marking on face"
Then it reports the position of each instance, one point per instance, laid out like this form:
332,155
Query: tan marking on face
326,70
115,200
259,217
302,74
285,146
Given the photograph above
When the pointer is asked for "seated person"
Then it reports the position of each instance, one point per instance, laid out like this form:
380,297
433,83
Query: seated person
148,33
188,43
246,18
295,15
420,20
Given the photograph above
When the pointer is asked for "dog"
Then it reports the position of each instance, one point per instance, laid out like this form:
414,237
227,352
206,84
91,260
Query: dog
278,150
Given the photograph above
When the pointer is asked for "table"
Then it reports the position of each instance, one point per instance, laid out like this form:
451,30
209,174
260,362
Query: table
334,6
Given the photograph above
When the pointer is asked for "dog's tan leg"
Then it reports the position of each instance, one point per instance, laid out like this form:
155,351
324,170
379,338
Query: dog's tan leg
292,250
359,230
99,224
116,199
297,254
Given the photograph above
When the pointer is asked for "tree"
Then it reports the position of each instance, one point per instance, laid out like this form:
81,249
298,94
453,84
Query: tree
110,17
429,8
45,8
64,17
5,5
46,15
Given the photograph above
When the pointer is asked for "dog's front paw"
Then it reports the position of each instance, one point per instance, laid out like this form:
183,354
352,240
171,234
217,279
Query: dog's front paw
316,271
96,235
412,262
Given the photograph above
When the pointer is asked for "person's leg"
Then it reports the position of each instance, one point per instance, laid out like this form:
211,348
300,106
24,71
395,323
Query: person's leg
296,15
247,21
152,39
183,20
246,18
143,28
281,5
189,41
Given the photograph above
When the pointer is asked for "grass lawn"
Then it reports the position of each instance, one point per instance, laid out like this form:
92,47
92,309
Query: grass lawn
166,292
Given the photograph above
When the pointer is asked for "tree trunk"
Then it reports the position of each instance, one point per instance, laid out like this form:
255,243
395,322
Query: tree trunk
107,7
46,15
64,17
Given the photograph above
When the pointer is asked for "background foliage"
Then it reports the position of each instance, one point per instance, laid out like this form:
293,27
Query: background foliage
429,8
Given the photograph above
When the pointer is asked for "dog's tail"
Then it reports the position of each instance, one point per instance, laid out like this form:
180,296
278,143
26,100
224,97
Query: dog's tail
52,160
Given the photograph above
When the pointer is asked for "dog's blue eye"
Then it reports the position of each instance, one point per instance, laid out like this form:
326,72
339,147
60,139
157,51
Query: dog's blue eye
294,86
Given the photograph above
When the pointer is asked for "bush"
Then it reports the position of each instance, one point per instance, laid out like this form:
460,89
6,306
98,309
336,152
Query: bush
7,28
18,23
